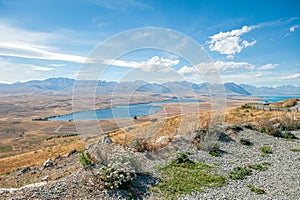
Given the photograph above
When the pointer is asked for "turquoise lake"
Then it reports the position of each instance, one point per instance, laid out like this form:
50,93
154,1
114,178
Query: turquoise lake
272,99
122,111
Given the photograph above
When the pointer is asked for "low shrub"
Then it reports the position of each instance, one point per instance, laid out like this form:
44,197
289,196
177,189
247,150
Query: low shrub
259,167
235,128
245,106
256,189
116,176
207,140
215,153
266,149
249,126
139,144
295,150
246,142
279,128
240,173
183,158
84,159
288,135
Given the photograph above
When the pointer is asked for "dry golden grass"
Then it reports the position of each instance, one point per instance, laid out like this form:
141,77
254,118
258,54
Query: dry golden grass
285,104
37,157
239,115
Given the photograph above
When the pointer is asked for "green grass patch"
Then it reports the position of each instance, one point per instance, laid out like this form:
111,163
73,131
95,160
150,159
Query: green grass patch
266,149
84,159
240,173
187,177
256,189
259,167
215,153
4,149
295,150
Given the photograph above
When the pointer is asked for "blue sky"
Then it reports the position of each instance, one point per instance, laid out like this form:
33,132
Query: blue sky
251,42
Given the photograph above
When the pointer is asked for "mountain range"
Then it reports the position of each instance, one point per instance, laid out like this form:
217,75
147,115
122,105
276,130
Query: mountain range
65,85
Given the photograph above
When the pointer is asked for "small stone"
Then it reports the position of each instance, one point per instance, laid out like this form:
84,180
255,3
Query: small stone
48,163
72,152
58,157
45,178
24,170
106,140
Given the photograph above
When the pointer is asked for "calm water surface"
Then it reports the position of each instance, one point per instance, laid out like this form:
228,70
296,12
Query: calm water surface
123,111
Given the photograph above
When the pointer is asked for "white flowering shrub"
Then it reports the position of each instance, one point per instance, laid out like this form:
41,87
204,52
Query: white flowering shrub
117,175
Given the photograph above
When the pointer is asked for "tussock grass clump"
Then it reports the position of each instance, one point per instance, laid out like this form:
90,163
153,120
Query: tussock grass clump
84,159
184,176
256,189
259,167
266,149
288,135
146,144
240,173
269,128
207,140
215,153
295,150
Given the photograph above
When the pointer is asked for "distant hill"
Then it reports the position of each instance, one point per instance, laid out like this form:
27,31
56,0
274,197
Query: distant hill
232,87
65,86
280,90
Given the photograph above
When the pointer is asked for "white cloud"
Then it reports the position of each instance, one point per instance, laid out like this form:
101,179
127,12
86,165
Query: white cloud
257,75
185,70
15,42
230,43
56,65
233,66
268,66
293,28
155,64
295,76
38,68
